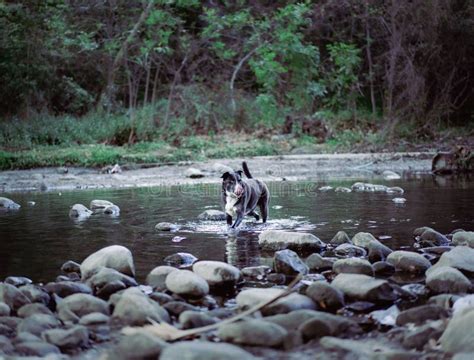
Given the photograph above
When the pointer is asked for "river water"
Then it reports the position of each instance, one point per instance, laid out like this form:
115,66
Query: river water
37,239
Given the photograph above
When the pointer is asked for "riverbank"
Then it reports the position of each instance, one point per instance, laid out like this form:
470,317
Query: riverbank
317,167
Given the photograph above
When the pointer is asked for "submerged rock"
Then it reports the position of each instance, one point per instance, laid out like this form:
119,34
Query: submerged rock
217,273
186,283
274,240
79,211
180,260
363,287
288,262
446,279
115,257
407,261
253,333
8,204
198,350
166,226
212,215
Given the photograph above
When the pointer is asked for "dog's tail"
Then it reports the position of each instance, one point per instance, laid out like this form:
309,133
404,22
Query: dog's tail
246,170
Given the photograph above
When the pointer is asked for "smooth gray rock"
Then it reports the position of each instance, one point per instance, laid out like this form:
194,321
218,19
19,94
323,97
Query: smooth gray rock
75,306
431,237
464,238
186,283
100,204
112,210
446,279
212,215
35,294
36,324
326,296
408,261
166,226
115,257
253,333
180,260
157,277
274,240
190,319
74,337
341,237
421,230
369,242
4,309
194,173
32,309
199,350
288,262
6,346
383,268
8,204
137,346
160,297
176,308
93,319
106,276
217,273
134,308
349,250
461,258
420,314
458,336
364,287
36,348
353,265
418,337
256,272
316,262
18,281
110,288
71,266
79,211
65,288
13,297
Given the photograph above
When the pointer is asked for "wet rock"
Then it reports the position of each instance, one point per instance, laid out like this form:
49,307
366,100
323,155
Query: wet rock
342,189
217,273
4,309
115,257
8,204
349,250
77,336
420,314
190,319
386,317
461,258
277,279
135,308
288,262
353,265
364,287
251,297
194,173
421,230
36,324
186,283
417,290
35,294
316,262
464,238
100,204
157,277
180,260
93,319
66,288
198,350
36,348
325,296
13,297
407,261
431,237
341,237
458,336
369,242
176,308
212,215
253,333
107,276
6,346
390,175
446,301
418,337
446,279
110,288
256,272
160,298
383,268
79,211
18,281
376,255
112,210
31,309
75,306
137,346
71,267
166,226
274,240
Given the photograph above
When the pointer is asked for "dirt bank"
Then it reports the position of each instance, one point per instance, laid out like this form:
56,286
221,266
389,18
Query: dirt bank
269,168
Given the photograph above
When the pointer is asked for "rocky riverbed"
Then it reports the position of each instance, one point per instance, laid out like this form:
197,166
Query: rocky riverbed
355,298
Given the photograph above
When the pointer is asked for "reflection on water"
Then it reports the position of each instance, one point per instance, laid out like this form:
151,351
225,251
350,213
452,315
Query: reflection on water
36,240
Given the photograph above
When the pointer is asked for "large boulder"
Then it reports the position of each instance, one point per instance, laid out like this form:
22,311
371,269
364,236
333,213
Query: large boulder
8,204
408,261
369,242
253,333
186,283
363,287
288,262
75,306
465,238
115,257
458,336
353,265
274,240
446,279
198,350
461,258
217,273
13,297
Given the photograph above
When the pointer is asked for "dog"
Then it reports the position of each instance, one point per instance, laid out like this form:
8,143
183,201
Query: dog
240,197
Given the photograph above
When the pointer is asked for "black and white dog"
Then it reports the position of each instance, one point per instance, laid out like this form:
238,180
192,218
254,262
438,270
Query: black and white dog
240,196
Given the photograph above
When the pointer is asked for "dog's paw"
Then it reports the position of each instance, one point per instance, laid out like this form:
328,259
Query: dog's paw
232,231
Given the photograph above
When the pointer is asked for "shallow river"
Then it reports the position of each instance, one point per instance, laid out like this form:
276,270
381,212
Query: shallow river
36,240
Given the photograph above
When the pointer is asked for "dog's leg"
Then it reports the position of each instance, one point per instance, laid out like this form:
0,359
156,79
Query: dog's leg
229,219
254,214
238,220
263,205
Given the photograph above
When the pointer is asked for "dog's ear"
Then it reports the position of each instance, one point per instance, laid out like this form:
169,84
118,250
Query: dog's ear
240,172
225,175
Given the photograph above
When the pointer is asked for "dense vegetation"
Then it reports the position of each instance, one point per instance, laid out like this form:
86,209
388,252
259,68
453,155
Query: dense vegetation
116,72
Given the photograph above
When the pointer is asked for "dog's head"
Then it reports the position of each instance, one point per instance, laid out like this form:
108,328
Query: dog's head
232,182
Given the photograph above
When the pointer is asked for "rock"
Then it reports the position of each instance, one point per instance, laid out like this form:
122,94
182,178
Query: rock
94,318
399,200
386,317
461,258
79,211
421,230
363,287
180,260
431,237
176,308
11,322
4,309
464,238
253,333
353,265
256,272
110,288
418,337
74,337
458,336
35,294
194,173
66,288
395,190
8,204
212,215
420,314
277,279
251,297
446,279
325,188
100,204
349,250
365,187
13,297
166,226
461,304
115,257
325,296
75,306
107,276
390,175
18,281
157,277
342,189
407,261
137,346
190,319
112,210
383,268
37,323
316,262
221,168
274,240
217,273
369,242
6,346
71,267
288,262
186,283
198,350
160,298
32,309
446,301
36,348
340,238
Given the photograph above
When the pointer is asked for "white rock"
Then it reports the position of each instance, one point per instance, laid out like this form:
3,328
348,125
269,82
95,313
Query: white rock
115,257
100,204
187,283
217,272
